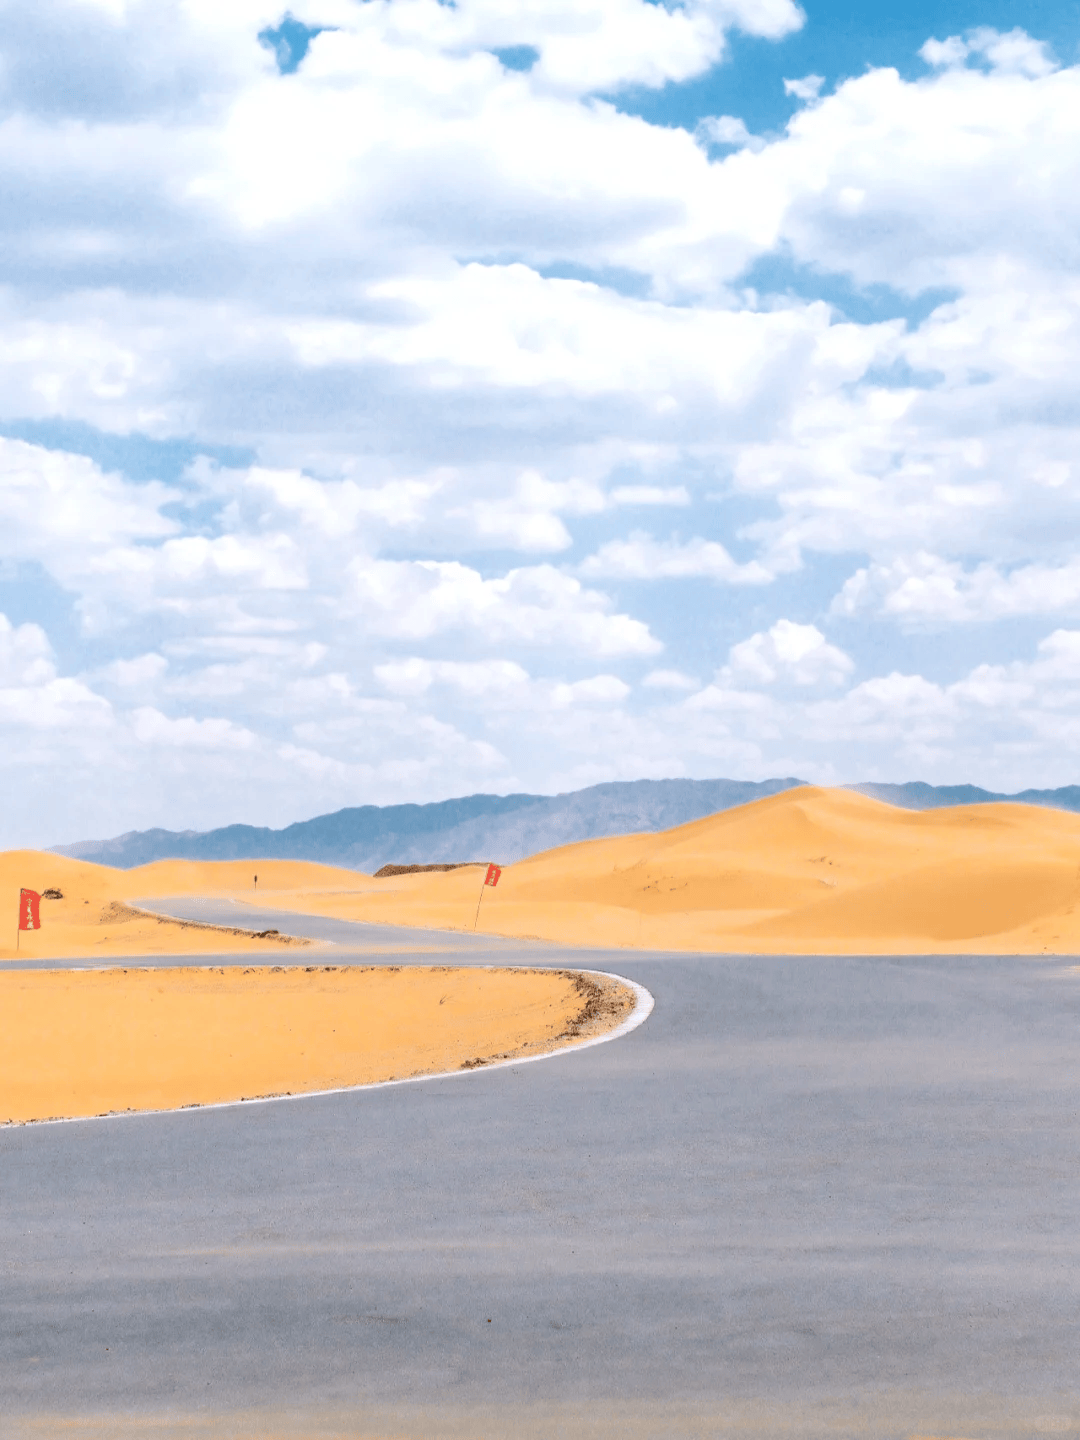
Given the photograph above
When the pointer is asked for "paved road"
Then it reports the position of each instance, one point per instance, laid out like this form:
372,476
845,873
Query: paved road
809,1197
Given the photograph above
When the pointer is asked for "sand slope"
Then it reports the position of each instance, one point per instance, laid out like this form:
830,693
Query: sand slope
811,870
93,918
112,1038
92,1042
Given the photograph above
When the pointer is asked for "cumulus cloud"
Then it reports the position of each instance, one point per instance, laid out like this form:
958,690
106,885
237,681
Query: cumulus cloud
727,130
26,657
1015,52
669,680
532,605
640,557
486,678
464,319
787,653
807,88
151,727
38,706
927,590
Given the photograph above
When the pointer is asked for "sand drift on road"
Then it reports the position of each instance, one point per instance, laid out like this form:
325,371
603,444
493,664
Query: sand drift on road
77,1043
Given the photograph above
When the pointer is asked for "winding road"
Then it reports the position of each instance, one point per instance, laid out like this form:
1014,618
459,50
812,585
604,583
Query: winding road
810,1196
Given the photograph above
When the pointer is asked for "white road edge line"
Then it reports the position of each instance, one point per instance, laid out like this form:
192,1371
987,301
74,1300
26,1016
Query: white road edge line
640,1013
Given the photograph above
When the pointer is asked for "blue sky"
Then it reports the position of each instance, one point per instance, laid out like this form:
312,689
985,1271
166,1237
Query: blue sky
840,41
513,396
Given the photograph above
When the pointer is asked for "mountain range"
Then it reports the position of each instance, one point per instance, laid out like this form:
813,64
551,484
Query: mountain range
501,827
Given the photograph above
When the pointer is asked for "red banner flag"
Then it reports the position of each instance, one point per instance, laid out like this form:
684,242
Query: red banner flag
492,876
29,910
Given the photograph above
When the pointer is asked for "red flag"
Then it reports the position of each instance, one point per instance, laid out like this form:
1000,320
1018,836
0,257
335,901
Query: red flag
492,876
29,910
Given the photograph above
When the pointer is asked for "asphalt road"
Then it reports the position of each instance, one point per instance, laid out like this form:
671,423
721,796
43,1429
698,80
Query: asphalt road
808,1197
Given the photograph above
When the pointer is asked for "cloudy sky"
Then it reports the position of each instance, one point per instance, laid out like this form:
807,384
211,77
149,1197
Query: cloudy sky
403,399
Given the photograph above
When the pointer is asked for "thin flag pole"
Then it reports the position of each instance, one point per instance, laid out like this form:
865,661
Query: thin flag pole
491,877
479,902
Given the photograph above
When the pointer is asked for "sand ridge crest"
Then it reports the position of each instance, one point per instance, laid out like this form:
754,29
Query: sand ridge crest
809,871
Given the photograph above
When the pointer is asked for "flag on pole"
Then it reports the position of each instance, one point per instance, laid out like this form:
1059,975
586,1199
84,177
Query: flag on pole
29,910
492,879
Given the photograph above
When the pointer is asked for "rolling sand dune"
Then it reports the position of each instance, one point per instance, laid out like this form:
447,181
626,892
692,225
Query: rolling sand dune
94,918
94,1042
807,871
115,1038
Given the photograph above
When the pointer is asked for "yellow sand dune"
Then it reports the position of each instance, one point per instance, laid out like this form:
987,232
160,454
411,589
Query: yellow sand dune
92,1042
94,918
807,871
810,870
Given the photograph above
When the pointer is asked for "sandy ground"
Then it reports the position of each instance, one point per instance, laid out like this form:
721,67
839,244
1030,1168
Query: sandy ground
113,1037
808,871
92,1042
642,1421
811,871
95,920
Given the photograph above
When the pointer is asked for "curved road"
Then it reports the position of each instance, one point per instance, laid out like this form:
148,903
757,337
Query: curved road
809,1197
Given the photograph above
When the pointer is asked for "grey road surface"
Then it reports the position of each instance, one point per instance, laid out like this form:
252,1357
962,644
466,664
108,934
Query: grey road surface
809,1197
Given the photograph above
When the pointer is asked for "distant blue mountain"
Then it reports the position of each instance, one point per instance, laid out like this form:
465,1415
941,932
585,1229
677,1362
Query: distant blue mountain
916,795
502,827
477,827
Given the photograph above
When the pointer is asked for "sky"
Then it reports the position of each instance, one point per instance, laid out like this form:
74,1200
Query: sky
400,400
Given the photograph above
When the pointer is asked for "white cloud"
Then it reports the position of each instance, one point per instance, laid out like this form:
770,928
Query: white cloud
808,88
463,317
727,130
36,702
25,654
945,53
478,678
927,590
597,690
1012,53
56,507
669,680
533,605
151,727
650,495
642,558
135,673
787,653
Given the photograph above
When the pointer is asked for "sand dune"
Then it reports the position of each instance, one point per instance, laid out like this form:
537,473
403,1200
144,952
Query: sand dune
94,918
810,871
100,1040
93,1042
807,871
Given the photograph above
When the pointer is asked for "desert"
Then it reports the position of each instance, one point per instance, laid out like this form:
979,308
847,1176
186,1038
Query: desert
859,1012
808,871
113,1037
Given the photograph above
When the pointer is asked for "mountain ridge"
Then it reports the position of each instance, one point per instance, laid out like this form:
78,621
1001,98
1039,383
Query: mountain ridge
472,827
503,827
